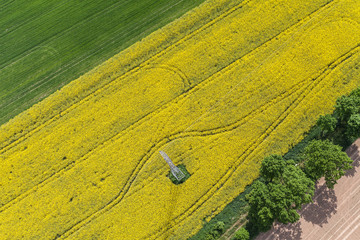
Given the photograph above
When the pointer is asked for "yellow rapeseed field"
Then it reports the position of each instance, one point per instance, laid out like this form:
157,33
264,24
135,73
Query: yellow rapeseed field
217,90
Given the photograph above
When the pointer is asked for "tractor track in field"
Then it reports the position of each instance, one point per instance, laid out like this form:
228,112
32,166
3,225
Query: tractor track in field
224,178
100,146
117,199
79,60
145,62
145,118
248,152
107,85
43,182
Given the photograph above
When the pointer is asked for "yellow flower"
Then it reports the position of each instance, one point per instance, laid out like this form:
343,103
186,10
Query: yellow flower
215,93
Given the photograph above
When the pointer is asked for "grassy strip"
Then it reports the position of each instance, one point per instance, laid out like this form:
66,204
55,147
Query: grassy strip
229,215
45,45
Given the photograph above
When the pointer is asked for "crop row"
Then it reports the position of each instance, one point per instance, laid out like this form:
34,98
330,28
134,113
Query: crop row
218,105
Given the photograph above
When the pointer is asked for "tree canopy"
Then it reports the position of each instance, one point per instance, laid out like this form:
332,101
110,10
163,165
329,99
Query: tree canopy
327,124
241,234
353,129
347,106
325,159
286,190
272,167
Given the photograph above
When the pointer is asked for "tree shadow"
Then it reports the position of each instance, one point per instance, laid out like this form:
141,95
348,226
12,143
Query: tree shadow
324,205
354,154
289,231
280,231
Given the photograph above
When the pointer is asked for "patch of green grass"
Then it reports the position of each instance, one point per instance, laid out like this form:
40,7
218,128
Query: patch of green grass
229,215
184,170
46,44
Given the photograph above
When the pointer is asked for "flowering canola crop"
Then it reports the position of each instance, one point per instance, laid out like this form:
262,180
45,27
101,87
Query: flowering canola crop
217,90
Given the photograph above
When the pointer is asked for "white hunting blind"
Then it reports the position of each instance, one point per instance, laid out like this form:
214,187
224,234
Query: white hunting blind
178,174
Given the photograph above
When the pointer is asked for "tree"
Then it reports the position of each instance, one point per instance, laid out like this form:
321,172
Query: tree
353,129
272,167
241,234
327,124
285,192
293,190
325,159
216,231
260,202
347,106
219,227
300,188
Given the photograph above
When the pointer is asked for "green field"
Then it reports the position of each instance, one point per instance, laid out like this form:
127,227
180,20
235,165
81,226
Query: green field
46,44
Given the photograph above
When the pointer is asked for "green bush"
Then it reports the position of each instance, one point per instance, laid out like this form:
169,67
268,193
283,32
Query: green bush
216,230
241,234
219,226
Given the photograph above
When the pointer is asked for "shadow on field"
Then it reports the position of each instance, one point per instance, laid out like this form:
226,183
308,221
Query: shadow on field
324,205
353,153
289,231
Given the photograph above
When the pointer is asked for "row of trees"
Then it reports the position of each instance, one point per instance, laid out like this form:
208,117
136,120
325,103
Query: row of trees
284,186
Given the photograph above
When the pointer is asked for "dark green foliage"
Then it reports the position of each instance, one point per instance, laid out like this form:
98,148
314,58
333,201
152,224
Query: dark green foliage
285,192
272,167
260,206
297,152
184,170
300,188
325,159
353,129
216,230
241,234
327,124
219,227
343,126
347,106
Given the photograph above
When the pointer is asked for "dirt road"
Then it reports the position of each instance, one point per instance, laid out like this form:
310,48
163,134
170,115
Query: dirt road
334,214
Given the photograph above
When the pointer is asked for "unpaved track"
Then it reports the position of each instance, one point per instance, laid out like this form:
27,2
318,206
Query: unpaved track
334,214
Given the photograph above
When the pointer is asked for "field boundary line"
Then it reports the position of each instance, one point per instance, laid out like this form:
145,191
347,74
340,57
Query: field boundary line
162,52
133,70
146,117
233,169
139,122
167,139
79,60
228,67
